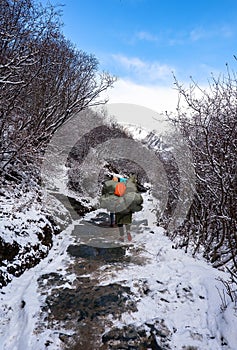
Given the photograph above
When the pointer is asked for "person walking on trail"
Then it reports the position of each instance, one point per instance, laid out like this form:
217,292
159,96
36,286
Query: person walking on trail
108,189
123,219
122,197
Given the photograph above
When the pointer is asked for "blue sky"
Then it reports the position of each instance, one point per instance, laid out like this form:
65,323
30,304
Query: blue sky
144,41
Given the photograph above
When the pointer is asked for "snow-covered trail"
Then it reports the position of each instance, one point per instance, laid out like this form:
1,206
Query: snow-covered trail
168,285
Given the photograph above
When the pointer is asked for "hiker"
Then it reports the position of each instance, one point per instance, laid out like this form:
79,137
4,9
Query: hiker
108,189
123,219
123,199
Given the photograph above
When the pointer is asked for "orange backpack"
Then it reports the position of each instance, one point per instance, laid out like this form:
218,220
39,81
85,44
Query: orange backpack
120,189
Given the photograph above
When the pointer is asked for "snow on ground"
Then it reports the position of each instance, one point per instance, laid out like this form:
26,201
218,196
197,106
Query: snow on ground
21,302
182,291
170,285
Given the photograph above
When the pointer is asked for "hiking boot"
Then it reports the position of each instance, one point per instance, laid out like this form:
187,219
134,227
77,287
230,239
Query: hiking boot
129,236
121,239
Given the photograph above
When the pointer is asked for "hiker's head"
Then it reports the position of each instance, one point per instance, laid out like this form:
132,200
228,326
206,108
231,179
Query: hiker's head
115,178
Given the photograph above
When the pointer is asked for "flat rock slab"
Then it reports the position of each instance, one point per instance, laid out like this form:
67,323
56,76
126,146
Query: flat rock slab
96,236
108,254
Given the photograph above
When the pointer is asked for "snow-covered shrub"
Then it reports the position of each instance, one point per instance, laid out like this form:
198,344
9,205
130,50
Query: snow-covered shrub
26,230
209,124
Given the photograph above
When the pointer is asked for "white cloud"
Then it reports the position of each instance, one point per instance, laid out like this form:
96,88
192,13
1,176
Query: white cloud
146,36
198,33
227,32
203,33
157,98
144,71
129,63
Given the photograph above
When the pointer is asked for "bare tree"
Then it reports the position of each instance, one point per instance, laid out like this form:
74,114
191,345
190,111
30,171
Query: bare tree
210,124
44,79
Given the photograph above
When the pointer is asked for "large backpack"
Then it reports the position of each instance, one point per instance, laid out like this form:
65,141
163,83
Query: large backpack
133,201
109,187
119,197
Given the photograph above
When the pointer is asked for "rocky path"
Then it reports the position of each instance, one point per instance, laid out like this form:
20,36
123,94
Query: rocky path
60,304
86,307
93,293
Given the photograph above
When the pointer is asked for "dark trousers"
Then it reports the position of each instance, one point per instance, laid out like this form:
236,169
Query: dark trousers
112,218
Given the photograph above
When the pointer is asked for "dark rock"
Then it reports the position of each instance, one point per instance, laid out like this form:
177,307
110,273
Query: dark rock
4,279
109,254
154,344
48,343
88,302
18,257
79,207
64,337
8,251
75,207
51,279
132,337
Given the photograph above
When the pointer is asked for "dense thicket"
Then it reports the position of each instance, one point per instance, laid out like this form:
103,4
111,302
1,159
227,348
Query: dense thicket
44,80
209,123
